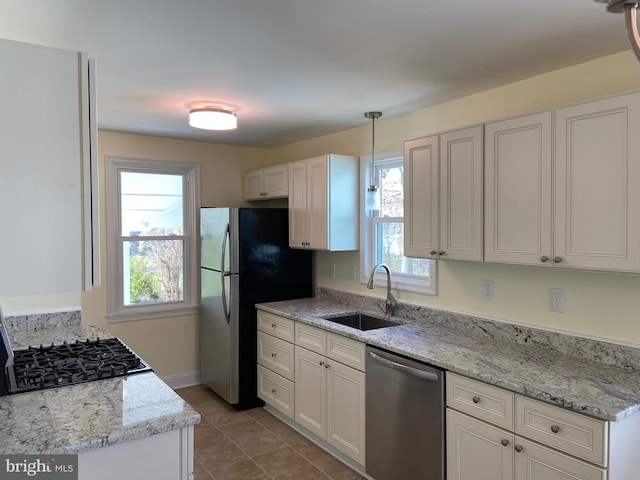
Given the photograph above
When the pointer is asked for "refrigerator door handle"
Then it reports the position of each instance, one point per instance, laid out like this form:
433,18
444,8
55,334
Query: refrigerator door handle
223,274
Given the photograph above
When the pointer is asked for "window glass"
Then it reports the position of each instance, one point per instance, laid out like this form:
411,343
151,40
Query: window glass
383,231
152,238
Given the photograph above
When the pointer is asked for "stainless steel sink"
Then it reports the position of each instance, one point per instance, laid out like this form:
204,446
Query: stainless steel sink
362,321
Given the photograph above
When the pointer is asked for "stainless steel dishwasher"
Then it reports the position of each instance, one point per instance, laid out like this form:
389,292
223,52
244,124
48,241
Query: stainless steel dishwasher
404,418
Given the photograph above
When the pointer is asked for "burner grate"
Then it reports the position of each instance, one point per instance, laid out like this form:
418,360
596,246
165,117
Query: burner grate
71,363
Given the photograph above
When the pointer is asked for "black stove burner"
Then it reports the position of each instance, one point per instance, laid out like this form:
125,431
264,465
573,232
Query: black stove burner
70,363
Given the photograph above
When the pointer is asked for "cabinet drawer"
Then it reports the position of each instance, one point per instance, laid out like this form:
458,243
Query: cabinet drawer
276,325
346,351
275,390
481,400
275,354
535,461
577,434
311,338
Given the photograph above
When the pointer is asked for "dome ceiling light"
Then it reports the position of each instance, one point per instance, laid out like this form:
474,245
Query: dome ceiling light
630,9
212,118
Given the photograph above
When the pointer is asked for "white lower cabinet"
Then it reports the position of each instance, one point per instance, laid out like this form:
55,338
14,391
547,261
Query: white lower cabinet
494,434
327,394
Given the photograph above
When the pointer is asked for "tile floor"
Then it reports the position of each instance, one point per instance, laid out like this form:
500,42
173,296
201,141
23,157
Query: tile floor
253,444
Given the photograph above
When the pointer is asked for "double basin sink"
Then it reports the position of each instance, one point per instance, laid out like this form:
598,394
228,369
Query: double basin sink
362,321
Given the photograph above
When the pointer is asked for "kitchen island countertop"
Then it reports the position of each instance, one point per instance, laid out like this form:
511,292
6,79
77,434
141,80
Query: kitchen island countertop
604,391
77,418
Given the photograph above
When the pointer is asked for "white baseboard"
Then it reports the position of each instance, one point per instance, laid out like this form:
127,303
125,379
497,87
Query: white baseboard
182,380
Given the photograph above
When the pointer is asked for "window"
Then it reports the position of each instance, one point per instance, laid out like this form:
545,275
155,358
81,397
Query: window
151,227
382,231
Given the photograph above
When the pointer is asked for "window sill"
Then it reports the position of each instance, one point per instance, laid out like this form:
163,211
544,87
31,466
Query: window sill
132,316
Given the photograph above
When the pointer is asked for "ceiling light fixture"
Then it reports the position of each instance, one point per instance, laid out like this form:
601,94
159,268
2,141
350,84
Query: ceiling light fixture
373,116
211,118
630,9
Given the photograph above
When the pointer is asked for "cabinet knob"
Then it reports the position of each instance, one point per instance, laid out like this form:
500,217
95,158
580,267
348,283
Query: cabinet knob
544,258
326,365
557,259
273,325
555,428
321,363
476,399
518,448
441,252
433,252
504,442
273,390
273,355
263,194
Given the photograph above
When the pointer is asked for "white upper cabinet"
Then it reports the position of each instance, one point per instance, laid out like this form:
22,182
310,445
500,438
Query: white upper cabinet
518,155
266,183
47,147
323,203
597,179
443,196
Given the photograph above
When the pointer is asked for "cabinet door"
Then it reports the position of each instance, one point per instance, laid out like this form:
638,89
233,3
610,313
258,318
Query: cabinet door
597,173
317,203
461,186
254,185
345,405
311,391
297,204
477,450
421,197
535,462
276,181
41,183
518,190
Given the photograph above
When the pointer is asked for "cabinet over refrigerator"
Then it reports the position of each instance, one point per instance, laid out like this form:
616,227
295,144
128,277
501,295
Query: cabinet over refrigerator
245,259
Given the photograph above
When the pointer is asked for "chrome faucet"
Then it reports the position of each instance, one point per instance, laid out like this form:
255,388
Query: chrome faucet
391,302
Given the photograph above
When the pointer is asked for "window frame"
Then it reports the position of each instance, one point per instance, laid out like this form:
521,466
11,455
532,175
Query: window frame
117,311
368,236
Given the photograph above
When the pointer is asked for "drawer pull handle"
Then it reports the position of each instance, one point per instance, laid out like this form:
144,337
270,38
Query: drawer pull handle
476,399
504,442
518,448
555,428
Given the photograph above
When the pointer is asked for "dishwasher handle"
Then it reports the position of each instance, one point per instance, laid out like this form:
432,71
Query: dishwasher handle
433,377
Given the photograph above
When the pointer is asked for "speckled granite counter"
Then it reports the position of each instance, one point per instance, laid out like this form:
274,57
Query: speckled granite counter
77,418
595,378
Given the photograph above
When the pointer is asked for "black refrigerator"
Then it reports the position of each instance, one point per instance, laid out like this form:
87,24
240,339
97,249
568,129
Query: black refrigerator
244,259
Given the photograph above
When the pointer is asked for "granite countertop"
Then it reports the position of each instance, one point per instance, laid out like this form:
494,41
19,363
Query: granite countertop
77,418
545,372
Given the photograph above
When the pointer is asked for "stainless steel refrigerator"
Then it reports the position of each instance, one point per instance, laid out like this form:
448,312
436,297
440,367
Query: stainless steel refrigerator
245,259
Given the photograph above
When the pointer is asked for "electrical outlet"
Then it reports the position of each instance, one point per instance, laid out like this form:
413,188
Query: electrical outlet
556,300
487,290
332,270
352,272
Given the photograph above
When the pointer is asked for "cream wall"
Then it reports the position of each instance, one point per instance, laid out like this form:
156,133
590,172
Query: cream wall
170,345
603,305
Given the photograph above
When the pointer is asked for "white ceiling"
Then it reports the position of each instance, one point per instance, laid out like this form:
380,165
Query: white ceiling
297,69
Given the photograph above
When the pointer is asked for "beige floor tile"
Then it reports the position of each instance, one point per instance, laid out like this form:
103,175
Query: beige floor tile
337,470
199,472
219,455
287,434
310,451
280,461
308,472
244,470
257,443
241,428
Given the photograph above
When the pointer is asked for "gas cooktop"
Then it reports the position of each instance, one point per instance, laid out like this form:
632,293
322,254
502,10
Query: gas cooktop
37,368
